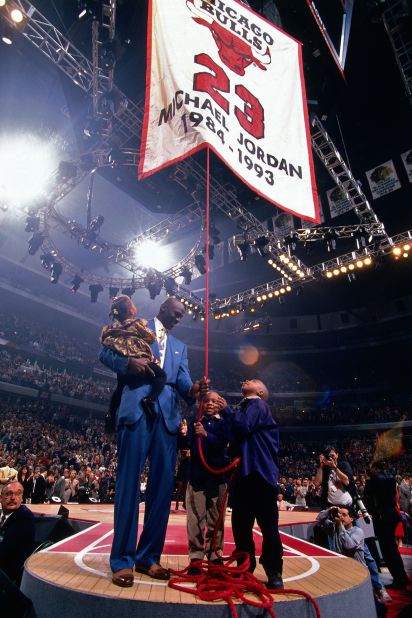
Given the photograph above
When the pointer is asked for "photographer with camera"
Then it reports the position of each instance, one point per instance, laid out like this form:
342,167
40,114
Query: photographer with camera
338,490
349,540
334,479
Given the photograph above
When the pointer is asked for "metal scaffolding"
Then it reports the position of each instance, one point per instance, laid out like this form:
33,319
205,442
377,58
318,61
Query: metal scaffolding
397,19
126,125
340,172
272,289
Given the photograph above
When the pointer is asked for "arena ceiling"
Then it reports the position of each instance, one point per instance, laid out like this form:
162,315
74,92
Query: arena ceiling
367,114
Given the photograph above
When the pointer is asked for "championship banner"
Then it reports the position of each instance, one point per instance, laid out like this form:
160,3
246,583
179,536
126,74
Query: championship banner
218,74
407,161
383,179
338,202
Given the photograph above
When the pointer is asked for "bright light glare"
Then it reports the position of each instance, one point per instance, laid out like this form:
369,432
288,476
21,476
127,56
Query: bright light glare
2,2
153,255
26,164
17,16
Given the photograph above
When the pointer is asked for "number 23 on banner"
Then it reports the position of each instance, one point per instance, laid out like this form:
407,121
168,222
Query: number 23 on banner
251,118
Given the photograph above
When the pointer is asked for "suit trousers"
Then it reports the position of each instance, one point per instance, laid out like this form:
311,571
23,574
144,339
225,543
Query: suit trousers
203,508
385,533
145,439
253,498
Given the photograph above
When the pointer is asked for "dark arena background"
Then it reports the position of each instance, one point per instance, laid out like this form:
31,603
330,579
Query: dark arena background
322,314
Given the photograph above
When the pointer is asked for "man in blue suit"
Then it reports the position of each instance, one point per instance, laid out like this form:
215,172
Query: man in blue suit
141,437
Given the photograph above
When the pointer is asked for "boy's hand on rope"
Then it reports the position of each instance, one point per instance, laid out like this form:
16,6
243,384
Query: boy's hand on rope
200,431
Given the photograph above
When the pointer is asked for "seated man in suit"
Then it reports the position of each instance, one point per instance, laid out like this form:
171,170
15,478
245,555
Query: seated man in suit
16,531
140,436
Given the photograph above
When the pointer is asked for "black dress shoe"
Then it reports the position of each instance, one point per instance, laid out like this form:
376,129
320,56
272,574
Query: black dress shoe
148,407
275,582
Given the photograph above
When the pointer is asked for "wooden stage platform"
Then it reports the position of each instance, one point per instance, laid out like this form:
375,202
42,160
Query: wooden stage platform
73,576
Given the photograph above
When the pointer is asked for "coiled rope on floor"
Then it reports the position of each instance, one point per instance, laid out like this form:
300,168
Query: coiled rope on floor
228,581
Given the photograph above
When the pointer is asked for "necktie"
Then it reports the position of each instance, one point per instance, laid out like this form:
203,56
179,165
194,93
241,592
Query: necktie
161,339
2,520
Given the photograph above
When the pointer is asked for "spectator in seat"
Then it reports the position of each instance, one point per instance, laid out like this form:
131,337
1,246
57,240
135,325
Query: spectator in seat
39,485
16,531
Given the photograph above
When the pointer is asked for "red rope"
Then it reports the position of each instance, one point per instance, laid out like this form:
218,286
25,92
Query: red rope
231,583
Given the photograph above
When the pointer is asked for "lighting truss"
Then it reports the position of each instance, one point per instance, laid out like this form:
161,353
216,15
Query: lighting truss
400,36
315,272
126,126
376,230
58,48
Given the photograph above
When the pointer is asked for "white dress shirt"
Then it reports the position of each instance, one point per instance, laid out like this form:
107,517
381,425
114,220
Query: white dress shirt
161,336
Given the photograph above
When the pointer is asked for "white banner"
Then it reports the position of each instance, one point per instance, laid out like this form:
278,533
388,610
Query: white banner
338,203
219,74
383,179
407,161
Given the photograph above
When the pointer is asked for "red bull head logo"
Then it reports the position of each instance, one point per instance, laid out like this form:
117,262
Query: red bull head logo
233,51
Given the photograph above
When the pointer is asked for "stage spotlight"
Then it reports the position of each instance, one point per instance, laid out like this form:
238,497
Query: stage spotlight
170,286
361,238
32,223
76,283
46,260
110,53
330,238
261,243
110,104
116,157
128,291
6,33
243,250
85,10
26,166
96,223
67,170
17,16
113,292
35,242
214,234
97,127
154,287
187,275
291,241
56,271
95,289
211,251
200,264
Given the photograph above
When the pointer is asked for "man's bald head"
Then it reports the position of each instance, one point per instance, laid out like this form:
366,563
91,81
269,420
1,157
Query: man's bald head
171,312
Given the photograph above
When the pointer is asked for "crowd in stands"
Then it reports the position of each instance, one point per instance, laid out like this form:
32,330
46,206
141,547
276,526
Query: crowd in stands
50,341
51,440
17,369
346,415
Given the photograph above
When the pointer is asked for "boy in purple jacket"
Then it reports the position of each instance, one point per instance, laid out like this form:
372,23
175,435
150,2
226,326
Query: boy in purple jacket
255,438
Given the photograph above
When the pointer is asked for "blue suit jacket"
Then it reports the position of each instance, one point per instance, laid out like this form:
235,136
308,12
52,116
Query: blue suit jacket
178,382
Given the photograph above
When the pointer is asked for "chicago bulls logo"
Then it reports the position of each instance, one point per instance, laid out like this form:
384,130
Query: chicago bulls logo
233,51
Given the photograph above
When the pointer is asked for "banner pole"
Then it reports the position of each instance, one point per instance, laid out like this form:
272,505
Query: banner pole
207,262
